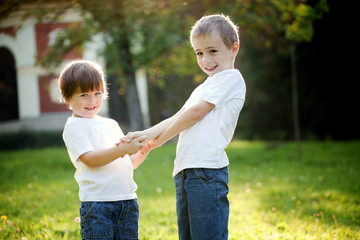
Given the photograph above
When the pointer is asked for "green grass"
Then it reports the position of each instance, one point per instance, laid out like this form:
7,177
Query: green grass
272,194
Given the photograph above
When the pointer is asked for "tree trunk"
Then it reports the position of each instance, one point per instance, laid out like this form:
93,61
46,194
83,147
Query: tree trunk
117,103
295,104
121,37
133,104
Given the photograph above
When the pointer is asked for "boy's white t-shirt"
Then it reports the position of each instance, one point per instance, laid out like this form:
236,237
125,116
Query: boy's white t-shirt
203,145
112,182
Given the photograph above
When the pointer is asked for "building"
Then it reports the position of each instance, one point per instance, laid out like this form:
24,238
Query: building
29,96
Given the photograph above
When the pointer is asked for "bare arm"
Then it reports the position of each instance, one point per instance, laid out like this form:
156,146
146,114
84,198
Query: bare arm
150,133
140,156
168,129
185,120
154,131
102,157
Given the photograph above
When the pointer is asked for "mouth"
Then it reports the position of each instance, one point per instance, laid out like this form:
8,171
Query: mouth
90,108
210,68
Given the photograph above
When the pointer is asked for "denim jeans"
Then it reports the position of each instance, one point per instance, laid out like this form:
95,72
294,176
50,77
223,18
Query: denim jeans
110,220
202,205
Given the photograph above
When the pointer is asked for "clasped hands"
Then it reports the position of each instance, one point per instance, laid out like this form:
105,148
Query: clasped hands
139,136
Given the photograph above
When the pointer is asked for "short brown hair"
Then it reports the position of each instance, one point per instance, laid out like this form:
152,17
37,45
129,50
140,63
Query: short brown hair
81,75
228,31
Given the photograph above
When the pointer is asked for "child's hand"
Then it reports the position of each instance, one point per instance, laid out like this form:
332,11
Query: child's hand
148,147
135,145
132,135
117,144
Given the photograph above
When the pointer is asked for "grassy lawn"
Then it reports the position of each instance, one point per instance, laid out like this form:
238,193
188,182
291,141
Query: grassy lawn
272,195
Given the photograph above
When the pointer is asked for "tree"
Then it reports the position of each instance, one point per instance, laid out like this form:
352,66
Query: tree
298,20
133,38
288,22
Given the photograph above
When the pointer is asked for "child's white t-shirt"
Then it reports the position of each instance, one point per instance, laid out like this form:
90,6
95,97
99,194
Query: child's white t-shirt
112,182
203,145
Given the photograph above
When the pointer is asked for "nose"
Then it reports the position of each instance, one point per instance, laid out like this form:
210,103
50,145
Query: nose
92,99
206,58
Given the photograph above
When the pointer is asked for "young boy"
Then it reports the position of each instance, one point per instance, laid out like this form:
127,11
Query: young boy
206,124
104,170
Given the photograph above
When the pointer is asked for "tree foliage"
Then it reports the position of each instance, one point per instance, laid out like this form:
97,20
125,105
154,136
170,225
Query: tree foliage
135,33
156,34
273,28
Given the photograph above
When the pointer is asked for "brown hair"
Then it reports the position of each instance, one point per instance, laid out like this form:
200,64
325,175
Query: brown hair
228,31
81,75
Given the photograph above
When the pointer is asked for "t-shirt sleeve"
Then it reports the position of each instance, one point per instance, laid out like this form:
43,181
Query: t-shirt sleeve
222,87
76,140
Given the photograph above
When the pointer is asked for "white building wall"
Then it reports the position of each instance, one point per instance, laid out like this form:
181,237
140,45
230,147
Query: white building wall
27,76
28,96
23,47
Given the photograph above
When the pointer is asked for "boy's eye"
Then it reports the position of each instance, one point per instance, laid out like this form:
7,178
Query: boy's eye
198,53
98,93
213,51
83,95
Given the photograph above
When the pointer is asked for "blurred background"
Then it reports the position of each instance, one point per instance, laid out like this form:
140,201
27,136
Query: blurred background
297,57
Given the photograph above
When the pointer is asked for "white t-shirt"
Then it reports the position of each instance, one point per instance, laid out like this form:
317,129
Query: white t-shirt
203,145
112,182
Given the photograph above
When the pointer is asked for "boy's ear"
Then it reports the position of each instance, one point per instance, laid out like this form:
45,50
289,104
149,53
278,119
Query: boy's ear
235,48
67,103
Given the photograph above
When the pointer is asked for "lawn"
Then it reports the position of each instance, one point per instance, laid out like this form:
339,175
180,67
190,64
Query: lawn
272,195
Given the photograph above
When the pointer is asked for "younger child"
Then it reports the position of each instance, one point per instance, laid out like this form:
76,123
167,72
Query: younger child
104,169
206,124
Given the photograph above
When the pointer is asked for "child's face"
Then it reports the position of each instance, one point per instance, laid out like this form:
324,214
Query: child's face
213,55
86,104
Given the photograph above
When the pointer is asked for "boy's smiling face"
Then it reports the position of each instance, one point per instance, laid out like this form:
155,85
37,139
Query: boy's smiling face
86,104
213,56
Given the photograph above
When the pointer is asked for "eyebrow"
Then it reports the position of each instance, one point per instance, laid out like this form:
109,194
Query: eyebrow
196,50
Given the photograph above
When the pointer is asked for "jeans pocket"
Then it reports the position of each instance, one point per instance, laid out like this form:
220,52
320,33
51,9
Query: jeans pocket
205,174
86,208
94,220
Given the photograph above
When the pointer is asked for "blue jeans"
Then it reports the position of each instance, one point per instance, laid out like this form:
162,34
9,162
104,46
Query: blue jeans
110,220
202,205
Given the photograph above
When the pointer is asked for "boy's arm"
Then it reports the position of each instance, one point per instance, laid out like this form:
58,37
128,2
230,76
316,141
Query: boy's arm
154,131
102,157
140,156
185,120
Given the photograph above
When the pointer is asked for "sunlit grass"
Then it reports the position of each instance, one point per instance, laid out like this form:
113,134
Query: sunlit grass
273,195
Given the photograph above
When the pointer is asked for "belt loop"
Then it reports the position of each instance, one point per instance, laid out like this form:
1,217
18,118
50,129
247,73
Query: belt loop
184,174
